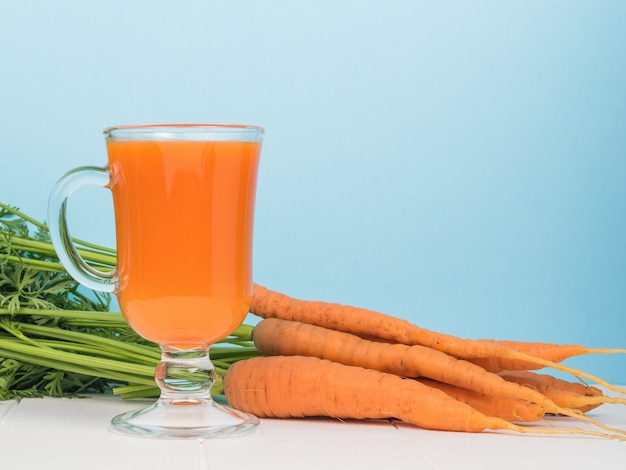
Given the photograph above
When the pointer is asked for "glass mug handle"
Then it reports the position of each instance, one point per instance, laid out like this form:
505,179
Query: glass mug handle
73,262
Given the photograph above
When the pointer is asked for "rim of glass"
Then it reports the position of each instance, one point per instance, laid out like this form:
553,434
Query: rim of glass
239,132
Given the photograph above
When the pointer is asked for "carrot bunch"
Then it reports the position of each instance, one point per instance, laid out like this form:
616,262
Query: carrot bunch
325,359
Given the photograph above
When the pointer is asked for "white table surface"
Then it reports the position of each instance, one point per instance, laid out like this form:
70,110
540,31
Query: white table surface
74,434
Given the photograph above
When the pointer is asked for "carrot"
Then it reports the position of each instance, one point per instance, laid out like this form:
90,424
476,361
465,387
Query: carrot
497,364
562,392
287,338
275,337
299,386
363,322
550,351
510,409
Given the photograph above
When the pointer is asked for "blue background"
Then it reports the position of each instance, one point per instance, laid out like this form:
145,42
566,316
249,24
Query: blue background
459,164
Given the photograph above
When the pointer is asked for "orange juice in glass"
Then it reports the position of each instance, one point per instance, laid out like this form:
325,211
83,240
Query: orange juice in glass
183,199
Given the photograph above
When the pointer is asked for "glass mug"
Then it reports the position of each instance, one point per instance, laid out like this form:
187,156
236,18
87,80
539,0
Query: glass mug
183,198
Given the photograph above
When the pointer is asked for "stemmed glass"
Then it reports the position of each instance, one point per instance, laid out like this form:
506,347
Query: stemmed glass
183,198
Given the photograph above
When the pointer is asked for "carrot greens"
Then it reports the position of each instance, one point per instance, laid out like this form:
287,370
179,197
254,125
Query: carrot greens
58,338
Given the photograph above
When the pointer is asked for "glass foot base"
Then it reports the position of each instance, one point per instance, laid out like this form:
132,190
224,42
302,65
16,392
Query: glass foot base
203,419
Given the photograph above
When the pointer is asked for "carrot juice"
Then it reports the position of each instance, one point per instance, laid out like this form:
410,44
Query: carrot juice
184,212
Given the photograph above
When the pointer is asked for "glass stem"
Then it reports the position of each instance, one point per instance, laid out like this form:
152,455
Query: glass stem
185,377
185,409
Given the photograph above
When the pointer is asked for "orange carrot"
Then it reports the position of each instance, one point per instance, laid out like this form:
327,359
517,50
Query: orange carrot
562,392
497,364
551,351
287,338
298,386
363,322
276,337
510,409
